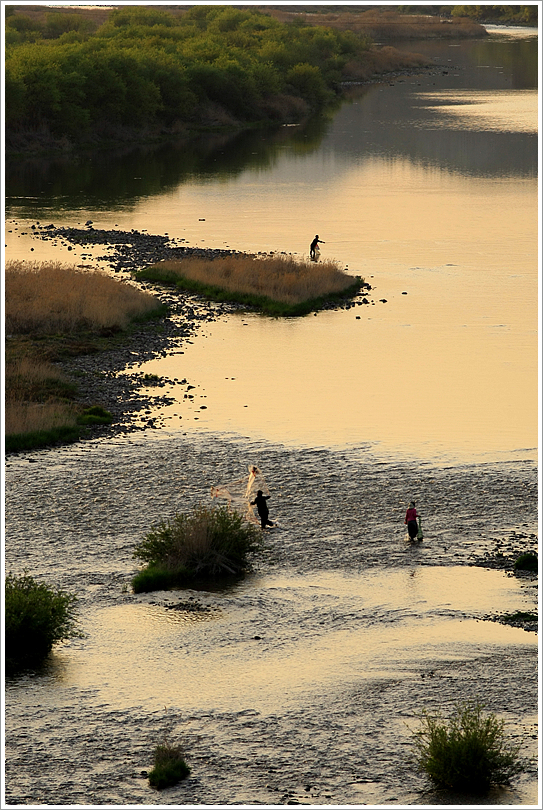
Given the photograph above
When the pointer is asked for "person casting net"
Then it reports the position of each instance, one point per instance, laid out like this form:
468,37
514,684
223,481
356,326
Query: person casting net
244,494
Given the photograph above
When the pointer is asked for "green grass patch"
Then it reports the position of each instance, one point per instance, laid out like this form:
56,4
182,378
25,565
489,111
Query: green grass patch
170,766
468,752
34,440
36,617
207,543
526,562
95,415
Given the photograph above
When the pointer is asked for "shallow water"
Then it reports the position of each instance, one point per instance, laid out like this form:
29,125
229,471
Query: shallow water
301,682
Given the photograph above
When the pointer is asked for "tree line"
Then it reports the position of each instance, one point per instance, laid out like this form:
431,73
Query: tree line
148,67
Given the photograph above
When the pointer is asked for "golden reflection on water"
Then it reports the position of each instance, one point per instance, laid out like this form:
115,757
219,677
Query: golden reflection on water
497,110
386,622
453,363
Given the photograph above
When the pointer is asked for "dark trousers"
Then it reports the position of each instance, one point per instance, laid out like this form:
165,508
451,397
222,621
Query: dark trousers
412,528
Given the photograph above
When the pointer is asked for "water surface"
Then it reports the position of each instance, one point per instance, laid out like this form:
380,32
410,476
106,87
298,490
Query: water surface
425,186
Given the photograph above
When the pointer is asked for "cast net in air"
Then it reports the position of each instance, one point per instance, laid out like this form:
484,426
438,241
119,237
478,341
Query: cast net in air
241,492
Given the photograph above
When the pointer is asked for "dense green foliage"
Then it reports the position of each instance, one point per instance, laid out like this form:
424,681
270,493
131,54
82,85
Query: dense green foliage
169,768
203,544
148,67
36,617
524,14
469,753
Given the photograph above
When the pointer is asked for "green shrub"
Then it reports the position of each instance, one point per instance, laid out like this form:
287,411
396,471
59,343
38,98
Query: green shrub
170,766
466,754
159,578
36,617
526,562
95,415
207,543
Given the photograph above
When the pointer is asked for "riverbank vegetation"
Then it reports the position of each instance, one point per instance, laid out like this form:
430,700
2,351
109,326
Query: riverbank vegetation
159,71
387,23
204,544
277,285
51,311
36,617
467,753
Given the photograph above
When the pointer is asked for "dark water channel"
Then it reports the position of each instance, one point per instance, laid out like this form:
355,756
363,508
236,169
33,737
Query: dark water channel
303,682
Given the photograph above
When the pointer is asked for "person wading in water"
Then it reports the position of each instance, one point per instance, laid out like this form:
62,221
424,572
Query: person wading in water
411,521
314,246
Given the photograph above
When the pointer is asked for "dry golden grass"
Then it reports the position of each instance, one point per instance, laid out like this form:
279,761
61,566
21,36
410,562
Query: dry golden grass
280,278
51,298
31,417
382,60
26,378
380,25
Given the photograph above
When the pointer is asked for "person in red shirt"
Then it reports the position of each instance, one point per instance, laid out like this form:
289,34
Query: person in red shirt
411,521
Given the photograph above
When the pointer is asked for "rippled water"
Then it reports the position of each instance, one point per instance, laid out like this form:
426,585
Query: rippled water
299,683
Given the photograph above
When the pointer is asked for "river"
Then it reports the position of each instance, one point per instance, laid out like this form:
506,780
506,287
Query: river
298,685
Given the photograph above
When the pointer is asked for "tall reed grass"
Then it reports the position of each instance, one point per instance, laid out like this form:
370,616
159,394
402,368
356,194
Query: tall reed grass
281,279
48,302
37,417
169,767
28,378
51,298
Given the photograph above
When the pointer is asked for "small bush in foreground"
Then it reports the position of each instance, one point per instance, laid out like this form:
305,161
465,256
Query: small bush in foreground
207,543
467,753
526,562
170,766
36,617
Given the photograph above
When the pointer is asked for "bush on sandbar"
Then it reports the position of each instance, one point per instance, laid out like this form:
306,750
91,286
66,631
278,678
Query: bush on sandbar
468,753
207,543
36,618
526,562
170,766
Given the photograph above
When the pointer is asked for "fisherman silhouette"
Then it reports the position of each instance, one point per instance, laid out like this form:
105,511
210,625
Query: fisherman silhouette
314,246
262,506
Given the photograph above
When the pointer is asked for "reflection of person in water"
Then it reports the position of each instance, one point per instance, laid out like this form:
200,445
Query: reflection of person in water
314,246
262,506
411,521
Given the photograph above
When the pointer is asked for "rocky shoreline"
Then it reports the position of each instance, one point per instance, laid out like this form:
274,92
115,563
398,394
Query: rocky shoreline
112,378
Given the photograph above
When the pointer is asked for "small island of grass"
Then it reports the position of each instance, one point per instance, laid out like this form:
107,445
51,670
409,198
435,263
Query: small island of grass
275,285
